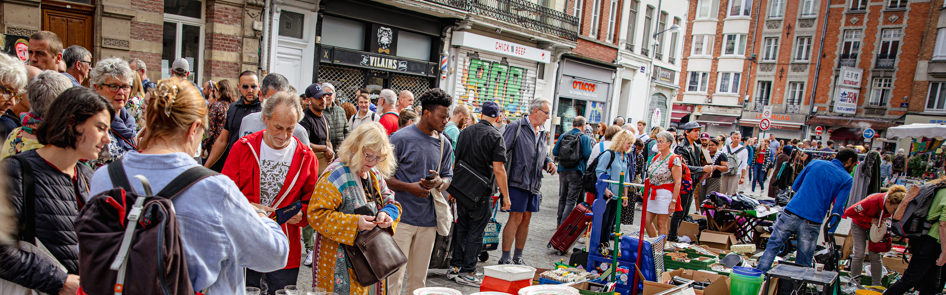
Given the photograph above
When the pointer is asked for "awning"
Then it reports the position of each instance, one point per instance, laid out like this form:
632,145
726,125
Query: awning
773,124
679,111
839,122
721,120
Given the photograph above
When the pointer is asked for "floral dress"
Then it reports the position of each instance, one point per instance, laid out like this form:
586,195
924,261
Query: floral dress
16,143
331,213
217,117
133,106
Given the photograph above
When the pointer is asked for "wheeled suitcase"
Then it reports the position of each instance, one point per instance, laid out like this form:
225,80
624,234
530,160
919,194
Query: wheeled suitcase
575,224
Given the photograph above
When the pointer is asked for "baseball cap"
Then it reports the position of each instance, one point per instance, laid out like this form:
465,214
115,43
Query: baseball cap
491,109
704,135
690,125
182,64
315,90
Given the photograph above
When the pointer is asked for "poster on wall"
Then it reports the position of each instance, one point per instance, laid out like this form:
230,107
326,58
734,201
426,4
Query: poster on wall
16,46
485,80
595,112
845,100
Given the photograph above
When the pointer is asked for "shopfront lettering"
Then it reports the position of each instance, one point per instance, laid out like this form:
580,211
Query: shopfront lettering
586,86
494,81
385,63
775,117
511,48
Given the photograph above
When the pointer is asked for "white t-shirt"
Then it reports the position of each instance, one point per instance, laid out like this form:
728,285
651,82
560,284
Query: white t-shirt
274,165
598,148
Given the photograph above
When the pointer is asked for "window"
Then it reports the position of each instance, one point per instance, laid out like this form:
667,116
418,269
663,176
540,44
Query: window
698,82
777,9
579,4
595,18
802,48
702,45
291,24
809,8
765,94
880,92
183,35
859,4
852,43
889,43
770,49
611,20
740,7
342,32
632,24
414,45
661,26
796,92
729,82
897,4
673,41
936,98
939,51
648,21
735,44
707,9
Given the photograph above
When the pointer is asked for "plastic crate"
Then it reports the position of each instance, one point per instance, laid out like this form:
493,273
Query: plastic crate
694,264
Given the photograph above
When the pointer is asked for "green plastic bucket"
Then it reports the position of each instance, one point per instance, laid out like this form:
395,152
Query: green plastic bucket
744,285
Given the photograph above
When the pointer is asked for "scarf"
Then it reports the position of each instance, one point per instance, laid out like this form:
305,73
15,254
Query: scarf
30,122
123,126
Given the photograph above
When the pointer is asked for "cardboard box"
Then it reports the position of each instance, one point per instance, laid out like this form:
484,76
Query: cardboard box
846,243
689,229
719,286
697,216
717,240
895,264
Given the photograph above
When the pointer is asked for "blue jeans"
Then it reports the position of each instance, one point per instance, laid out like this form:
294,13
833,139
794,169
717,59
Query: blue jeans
785,226
758,173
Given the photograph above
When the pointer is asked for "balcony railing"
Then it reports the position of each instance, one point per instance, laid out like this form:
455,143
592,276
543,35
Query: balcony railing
848,60
629,47
885,61
521,13
792,108
659,56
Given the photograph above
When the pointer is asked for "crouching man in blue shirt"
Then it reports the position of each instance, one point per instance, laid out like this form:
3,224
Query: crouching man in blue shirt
819,185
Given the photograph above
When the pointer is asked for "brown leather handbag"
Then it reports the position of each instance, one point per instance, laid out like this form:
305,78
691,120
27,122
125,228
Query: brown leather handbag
374,255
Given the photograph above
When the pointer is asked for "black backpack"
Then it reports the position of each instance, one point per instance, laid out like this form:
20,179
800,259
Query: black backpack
647,146
590,178
899,162
910,219
569,152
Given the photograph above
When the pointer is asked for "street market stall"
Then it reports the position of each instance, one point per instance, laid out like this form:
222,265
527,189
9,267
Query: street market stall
926,149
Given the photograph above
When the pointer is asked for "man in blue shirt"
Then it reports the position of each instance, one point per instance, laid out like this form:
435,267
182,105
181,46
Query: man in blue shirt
421,150
78,64
821,186
571,166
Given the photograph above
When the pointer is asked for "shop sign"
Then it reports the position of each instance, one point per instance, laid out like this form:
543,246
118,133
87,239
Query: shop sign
573,87
845,100
383,40
775,117
348,57
851,77
714,110
664,75
503,47
485,80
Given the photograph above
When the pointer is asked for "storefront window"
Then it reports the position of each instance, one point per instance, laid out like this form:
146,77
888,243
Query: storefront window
413,45
291,24
568,109
343,33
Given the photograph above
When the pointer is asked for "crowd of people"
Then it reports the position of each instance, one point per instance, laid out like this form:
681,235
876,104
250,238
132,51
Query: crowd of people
349,168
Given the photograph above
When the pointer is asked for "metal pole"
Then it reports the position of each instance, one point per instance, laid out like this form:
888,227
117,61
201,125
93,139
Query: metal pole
617,228
640,242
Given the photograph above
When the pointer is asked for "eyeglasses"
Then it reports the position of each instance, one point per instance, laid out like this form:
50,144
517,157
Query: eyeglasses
546,113
86,62
116,87
250,86
8,93
370,158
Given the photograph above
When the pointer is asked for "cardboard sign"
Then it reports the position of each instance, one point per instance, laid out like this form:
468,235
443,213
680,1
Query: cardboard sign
717,240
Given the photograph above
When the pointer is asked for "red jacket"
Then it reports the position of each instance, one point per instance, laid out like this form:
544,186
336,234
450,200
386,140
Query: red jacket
242,166
867,209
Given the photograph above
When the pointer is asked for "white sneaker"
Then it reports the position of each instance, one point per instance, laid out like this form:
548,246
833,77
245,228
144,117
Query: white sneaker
468,279
308,258
453,273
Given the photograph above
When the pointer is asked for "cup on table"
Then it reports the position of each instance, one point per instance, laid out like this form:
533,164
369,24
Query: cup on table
292,290
252,291
819,267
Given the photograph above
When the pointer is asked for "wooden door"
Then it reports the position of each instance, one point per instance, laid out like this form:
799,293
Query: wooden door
74,26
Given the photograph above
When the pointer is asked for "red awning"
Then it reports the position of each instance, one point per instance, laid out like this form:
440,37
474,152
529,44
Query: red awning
679,111
719,120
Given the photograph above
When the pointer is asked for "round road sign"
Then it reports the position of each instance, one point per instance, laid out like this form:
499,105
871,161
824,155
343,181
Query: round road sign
818,130
765,124
869,133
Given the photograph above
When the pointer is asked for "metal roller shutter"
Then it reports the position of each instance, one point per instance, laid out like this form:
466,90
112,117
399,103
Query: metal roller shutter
346,80
483,77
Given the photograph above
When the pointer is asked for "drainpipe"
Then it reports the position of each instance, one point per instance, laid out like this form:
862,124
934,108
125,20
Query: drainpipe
755,35
264,54
814,88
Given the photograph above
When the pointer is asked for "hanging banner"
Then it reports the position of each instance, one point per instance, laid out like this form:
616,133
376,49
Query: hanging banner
845,100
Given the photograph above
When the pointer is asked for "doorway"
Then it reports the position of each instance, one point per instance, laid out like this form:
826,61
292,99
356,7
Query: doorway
294,52
74,25
568,109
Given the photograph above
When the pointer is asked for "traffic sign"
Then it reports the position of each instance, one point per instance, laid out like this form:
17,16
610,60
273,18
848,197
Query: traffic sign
765,124
869,133
767,112
818,130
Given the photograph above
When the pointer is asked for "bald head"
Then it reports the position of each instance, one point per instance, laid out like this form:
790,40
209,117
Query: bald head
405,100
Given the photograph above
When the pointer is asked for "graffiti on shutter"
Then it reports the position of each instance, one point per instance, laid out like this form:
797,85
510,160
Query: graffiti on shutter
485,77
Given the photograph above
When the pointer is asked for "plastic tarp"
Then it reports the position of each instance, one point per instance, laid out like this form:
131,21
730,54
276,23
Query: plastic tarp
937,131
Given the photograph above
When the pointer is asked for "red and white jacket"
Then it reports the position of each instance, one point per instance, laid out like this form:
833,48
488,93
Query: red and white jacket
869,208
242,166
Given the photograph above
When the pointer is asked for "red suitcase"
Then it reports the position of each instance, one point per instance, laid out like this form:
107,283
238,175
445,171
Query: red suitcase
574,226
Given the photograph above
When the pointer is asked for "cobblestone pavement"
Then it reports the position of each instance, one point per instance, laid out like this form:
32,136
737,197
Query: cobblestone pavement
536,253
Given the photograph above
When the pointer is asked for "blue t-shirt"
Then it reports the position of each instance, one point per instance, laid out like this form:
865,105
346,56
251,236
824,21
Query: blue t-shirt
416,154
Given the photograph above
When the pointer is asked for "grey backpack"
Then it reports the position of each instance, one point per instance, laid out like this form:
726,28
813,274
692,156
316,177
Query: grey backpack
732,160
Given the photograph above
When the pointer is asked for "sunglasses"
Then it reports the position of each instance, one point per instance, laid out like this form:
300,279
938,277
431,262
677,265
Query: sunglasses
250,86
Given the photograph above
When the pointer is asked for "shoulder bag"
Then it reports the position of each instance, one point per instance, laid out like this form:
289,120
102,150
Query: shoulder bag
469,186
441,207
374,255
879,239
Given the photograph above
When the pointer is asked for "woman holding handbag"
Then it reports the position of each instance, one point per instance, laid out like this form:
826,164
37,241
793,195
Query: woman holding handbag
870,215
350,199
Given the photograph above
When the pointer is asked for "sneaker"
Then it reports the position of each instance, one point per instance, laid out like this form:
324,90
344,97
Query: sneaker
453,273
308,258
502,262
468,279
518,261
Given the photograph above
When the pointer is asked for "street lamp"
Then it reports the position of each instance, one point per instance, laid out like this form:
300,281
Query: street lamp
673,29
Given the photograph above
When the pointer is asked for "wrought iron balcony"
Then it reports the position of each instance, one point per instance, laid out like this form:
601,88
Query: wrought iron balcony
522,13
885,61
792,108
629,47
848,60
659,56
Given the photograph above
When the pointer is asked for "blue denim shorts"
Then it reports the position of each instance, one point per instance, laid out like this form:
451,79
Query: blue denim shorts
523,200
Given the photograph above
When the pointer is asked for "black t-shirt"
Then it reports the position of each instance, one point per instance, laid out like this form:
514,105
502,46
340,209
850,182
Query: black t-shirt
720,157
479,145
235,115
316,127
